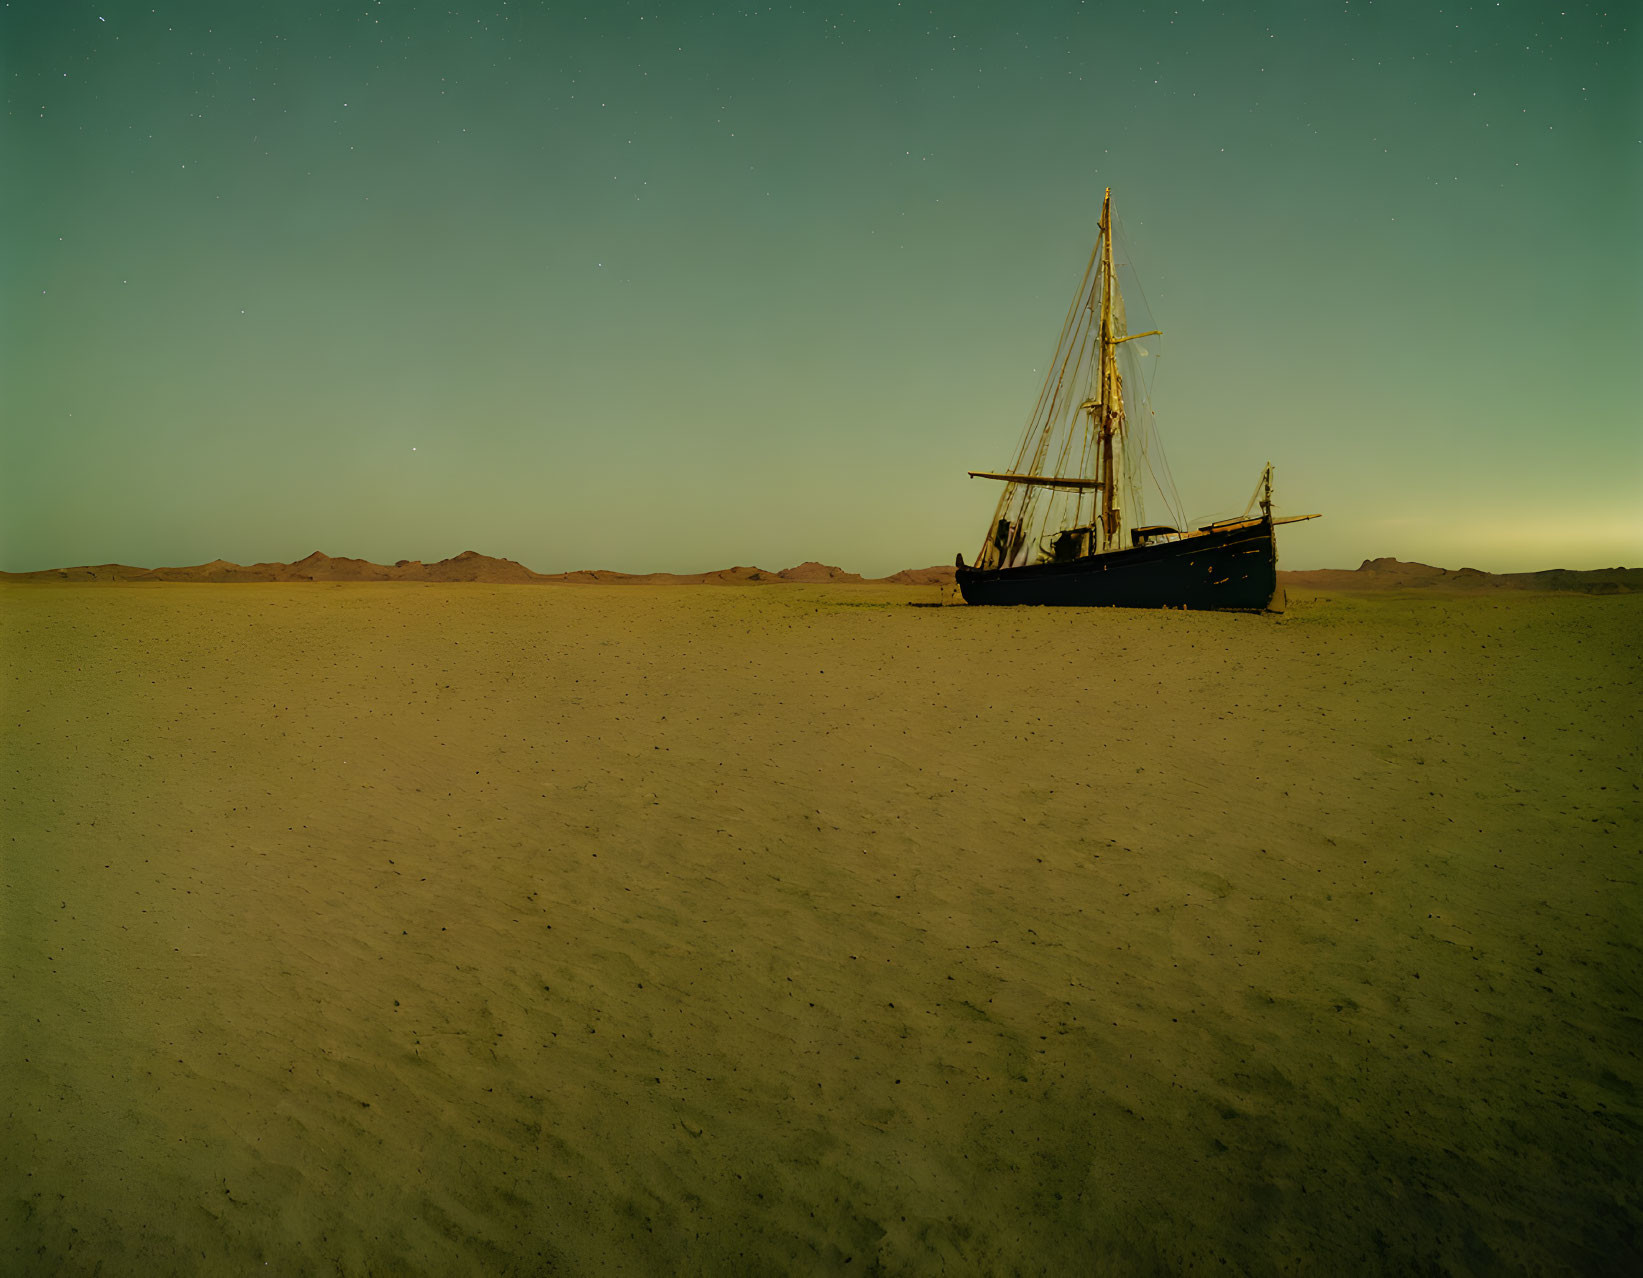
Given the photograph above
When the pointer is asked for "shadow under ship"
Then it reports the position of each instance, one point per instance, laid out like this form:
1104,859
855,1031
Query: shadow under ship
1058,534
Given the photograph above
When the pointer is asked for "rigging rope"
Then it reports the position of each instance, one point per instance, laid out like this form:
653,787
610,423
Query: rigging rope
1059,426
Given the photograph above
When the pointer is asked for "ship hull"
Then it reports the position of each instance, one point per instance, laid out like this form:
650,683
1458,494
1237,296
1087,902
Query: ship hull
1234,568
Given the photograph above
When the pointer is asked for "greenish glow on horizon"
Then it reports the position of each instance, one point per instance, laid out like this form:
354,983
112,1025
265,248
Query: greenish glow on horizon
671,291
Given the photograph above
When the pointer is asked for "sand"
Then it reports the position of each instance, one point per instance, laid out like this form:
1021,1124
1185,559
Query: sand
522,929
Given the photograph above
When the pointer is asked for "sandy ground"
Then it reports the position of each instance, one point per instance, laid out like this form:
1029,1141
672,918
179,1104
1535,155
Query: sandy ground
458,929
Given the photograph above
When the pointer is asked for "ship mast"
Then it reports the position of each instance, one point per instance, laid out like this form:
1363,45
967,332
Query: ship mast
1094,313
1108,395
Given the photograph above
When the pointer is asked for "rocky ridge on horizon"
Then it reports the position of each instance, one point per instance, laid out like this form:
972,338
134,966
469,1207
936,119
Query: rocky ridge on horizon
471,566
1397,574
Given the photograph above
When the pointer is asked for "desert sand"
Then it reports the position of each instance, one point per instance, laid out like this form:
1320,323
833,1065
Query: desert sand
444,928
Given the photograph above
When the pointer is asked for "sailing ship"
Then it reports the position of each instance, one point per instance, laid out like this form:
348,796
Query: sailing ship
1069,528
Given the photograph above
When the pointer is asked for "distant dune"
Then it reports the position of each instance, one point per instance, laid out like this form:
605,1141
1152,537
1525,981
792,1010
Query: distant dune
468,566
738,576
939,575
1372,574
1395,574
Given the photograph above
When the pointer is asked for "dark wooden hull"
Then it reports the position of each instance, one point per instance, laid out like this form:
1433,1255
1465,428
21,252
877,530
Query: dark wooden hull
1235,568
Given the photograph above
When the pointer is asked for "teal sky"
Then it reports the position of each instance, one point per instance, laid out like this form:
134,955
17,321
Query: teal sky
670,288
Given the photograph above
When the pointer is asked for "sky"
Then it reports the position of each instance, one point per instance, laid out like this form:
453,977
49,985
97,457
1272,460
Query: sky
674,287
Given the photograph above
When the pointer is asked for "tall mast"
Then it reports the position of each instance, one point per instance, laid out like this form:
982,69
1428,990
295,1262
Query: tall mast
1108,394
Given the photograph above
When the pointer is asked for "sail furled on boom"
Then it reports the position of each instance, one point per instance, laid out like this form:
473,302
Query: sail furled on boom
1063,435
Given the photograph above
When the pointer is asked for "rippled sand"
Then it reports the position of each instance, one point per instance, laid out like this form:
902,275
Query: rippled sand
526,929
